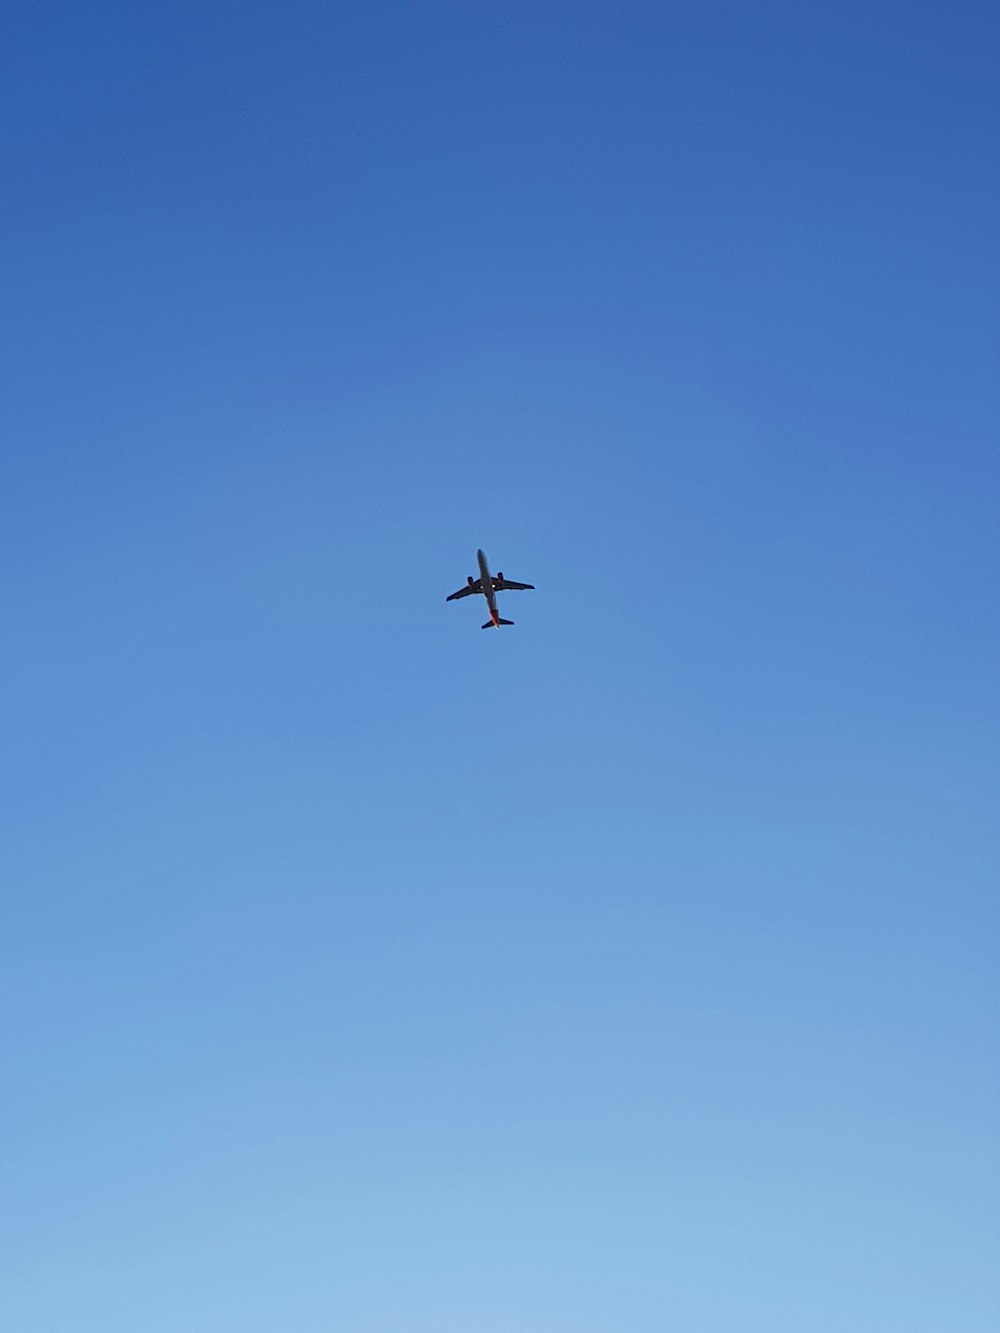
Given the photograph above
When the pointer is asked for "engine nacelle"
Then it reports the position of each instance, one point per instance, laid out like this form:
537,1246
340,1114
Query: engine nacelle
499,576
472,581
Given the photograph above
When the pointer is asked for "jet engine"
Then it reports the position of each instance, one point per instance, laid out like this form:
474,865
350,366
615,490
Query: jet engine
499,576
472,581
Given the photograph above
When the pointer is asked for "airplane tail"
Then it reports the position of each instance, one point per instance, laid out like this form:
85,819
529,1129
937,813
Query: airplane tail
489,623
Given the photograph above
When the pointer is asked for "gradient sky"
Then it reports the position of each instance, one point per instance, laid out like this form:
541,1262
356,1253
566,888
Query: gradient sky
630,969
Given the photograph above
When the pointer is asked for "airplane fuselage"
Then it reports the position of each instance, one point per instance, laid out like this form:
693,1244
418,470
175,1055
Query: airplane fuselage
488,593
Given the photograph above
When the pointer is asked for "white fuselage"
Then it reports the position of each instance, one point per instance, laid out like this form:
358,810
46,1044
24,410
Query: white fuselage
487,581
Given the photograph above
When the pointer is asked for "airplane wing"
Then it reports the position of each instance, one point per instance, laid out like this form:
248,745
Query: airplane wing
467,591
507,585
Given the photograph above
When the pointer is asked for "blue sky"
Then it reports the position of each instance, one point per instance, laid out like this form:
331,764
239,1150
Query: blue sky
633,968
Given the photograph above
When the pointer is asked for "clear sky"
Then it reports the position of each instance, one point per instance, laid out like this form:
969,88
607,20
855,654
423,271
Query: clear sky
630,969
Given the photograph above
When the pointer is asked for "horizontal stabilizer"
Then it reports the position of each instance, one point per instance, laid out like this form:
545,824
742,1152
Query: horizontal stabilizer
489,624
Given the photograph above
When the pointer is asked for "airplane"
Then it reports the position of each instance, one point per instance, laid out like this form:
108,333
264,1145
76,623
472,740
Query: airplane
489,587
